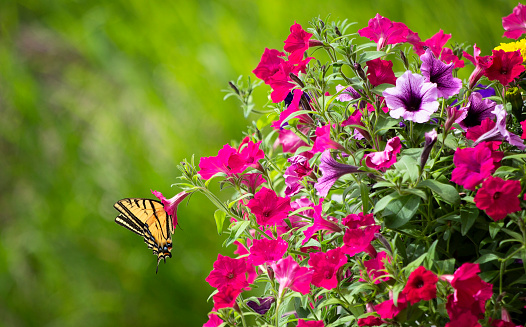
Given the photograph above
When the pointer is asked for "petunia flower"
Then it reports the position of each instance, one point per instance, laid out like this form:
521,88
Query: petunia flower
506,66
499,132
293,175
523,126
481,63
226,297
355,119
384,159
421,285
430,140
297,42
296,221
359,233
515,23
269,208
227,161
388,310
269,64
170,205
265,250
348,94
252,181
320,224
383,31
331,171
498,197
371,320
326,267
264,304
290,275
380,72
374,268
251,153
477,109
213,321
323,140
435,71
474,165
436,44
281,83
228,272
310,323
290,141
412,99
293,107
485,126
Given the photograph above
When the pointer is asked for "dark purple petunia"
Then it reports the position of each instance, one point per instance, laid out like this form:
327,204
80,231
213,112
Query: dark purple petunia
263,306
499,132
435,71
412,99
477,110
331,170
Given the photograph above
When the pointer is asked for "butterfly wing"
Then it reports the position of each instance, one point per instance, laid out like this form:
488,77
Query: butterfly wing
147,218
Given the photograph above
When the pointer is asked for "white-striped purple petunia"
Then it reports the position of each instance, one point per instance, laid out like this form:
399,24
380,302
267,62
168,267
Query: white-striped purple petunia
412,99
435,71
331,171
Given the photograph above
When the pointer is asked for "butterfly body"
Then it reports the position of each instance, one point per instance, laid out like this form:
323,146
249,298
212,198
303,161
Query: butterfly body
148,219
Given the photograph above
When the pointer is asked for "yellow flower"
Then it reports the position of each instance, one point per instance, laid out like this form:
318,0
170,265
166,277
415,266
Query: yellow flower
514,46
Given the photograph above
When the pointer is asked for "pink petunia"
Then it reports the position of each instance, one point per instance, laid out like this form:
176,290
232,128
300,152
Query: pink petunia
515,23
265,250
481,63
374,268
436,44
293,107
294,174
320,224
383,31
421,285
269,208
297,42
290,275
252,181
295,221
523,126
213,321
228,272
323,140
380,72
251,153
310,323
290,141
388,309
371,320
359,233
498,197
384,159
474,165
226,297
227,161
269,64
326,267
170,205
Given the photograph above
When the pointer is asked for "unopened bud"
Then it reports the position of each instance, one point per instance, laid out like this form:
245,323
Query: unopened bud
359,71
404,60
270,273
315,43
233,87
296,80
337,31
322,24
384,242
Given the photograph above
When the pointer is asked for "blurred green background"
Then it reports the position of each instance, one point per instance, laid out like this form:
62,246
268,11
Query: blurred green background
99,100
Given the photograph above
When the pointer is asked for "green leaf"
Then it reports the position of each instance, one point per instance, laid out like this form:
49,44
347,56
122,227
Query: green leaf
402,210
431,254
467,218
266,120
446,266
302,312
494,228
487,258
364,190
370,55
380,205
447,192
408,166
235,231
219,216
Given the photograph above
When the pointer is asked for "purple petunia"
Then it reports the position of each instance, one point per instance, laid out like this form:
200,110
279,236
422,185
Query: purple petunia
331,170
477,110
435,71
499,132
412,99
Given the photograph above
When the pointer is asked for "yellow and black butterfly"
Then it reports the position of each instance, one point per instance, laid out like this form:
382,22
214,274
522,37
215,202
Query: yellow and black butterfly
149,219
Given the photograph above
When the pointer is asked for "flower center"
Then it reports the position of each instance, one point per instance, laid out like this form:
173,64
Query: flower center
230,276
413,103
497,195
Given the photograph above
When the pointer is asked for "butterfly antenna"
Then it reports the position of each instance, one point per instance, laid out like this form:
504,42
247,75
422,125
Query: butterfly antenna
157,270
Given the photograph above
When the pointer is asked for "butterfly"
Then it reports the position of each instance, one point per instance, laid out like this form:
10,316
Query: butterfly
148,219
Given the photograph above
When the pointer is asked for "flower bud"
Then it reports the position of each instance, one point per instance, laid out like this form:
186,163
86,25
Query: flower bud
404,60
315,43
431,138
359,71
296,80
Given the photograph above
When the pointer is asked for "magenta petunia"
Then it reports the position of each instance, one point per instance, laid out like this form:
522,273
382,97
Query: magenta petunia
269,64
250,152
436,44
293,107
297,42
505,67
299,168
310,323
269,208
213,321
331,171
374,268
290,141
477,109
320,224
359,233
296,221
388,309
498,197
421,285
265,250
323,140
435,71
228,272
326,267
481,63
371,320
485,126
448,57
474,165
380,72
252,181
170,205
515,23
227,161
499,132
226,297
383,31
384,159
290,275
281,83
412,99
